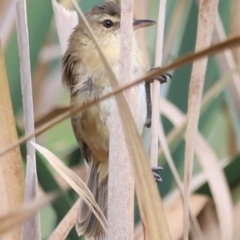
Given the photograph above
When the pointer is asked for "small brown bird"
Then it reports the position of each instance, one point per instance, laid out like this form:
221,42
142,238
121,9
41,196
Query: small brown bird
84,74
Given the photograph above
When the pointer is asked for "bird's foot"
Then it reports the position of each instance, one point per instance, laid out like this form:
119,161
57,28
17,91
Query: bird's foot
156,173
161,78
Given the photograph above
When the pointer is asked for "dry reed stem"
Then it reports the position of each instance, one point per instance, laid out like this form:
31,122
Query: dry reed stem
31,228
11,172
156,84
120,182
232,42
206,19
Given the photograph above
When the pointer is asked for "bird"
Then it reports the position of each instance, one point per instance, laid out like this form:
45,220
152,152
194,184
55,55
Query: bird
85,76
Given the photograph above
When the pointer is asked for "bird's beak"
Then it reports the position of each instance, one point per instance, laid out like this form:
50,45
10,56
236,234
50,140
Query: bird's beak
142,23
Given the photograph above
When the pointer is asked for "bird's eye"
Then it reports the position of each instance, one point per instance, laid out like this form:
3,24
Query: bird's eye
107,23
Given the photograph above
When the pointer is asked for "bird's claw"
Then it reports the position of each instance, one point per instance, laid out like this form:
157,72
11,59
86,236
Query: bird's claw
156,173
161,78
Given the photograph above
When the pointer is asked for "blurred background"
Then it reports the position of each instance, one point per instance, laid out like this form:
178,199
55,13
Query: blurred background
219,122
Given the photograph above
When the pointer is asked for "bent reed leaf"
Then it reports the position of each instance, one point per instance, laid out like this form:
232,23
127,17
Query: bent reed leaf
74,181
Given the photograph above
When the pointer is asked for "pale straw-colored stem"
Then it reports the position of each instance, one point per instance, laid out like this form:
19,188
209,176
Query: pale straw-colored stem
206,19
156,85
31,228
121,185
11,172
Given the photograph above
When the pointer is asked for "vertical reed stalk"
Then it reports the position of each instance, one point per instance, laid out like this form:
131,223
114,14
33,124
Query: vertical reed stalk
11,172
206,19
31,228
121,185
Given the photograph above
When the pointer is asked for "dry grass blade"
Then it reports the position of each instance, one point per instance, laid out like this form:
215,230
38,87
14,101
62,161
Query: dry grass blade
81,171
64,227
210,164
11,171
16,217
148,198
206,18
229,43
74,181
31,228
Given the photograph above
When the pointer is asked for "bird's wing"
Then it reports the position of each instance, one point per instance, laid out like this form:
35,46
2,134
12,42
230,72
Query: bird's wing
82,145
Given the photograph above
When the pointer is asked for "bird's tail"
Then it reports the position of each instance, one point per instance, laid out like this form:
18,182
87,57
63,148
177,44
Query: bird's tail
87,224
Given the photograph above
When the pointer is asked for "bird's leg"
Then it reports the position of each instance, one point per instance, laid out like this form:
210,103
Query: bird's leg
161,79
156,173
149,105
